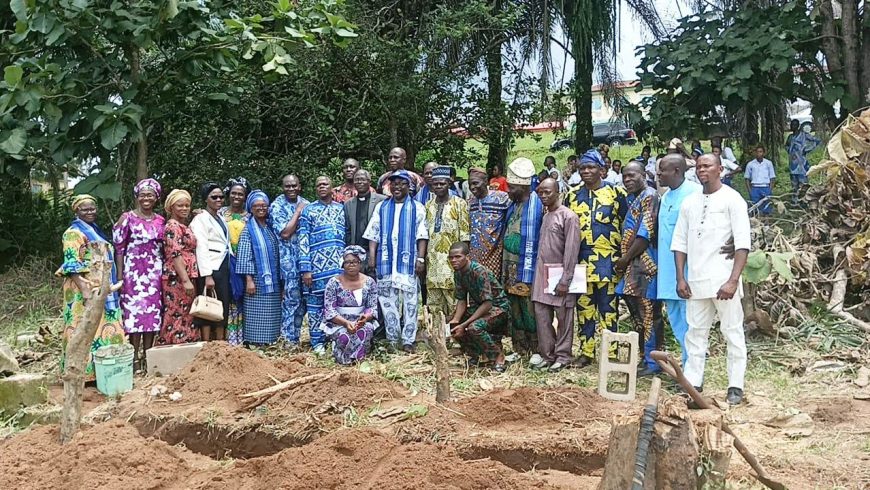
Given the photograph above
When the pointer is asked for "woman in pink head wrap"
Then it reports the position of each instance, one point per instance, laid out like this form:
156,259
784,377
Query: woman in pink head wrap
138,238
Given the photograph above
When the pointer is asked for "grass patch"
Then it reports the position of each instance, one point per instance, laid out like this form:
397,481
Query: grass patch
31,298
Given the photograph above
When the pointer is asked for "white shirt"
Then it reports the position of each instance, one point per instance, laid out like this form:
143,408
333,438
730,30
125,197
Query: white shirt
728,153
556,174
575,179
728,167
397,280
613,177
705,224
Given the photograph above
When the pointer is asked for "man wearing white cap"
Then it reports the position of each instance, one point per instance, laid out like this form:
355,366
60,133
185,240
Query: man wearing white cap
521,253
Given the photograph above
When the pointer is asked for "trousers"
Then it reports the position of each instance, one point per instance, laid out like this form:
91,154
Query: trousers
399,323
522,324
292,310
596,311
758,193
700,314
440,301
555,344
646,314
676,312
314,307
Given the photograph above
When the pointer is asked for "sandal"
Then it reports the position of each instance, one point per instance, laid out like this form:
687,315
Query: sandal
499,368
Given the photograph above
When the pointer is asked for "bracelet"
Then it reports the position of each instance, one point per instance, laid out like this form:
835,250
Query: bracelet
421,260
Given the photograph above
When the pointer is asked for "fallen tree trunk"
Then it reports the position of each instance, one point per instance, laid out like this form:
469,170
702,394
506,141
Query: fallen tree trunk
79,344
837,300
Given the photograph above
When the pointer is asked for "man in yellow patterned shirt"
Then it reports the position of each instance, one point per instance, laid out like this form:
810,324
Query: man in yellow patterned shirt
601,208
448,222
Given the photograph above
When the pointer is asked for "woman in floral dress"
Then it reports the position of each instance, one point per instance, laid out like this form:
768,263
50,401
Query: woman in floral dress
236,217
138,237
78,283
179,270
350,309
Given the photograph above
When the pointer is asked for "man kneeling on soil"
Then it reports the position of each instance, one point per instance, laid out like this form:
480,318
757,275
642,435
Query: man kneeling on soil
482,308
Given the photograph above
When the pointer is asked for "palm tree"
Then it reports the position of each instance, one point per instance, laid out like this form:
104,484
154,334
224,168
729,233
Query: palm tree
590,29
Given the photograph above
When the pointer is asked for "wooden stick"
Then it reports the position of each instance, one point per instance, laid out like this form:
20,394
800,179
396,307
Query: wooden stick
258,397
670,366
76,355
439,348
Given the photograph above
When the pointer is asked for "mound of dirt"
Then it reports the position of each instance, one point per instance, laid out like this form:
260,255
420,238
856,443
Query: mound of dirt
367,458
110,455
222,372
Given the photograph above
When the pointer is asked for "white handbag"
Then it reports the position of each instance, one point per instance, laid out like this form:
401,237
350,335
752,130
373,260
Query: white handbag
207,307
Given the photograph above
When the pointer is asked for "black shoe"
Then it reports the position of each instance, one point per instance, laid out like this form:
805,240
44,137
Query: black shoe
646,372
735,396
583,361
409,348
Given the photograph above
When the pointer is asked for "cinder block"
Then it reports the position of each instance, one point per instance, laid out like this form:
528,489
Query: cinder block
22,390
165,360
606,366
8,362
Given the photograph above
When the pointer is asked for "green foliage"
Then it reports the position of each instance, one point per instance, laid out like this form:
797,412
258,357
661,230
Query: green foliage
83,80
717,63
760,264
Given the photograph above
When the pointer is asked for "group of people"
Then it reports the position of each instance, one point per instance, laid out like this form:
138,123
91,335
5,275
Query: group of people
370,253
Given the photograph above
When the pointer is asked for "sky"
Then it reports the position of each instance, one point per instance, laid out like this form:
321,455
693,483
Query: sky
631,35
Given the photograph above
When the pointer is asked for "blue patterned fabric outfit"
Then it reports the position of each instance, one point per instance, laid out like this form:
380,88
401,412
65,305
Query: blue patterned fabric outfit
262,309
338,301
321,241
292,307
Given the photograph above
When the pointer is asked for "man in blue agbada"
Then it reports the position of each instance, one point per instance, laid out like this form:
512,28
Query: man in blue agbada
671,173
285,213
321,242
798,145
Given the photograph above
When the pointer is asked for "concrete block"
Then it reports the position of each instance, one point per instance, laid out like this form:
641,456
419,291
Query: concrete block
165,360
22,390
8,362
628,369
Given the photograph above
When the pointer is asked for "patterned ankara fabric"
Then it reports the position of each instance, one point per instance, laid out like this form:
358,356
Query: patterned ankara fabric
178,241
141,243
321,243
488,218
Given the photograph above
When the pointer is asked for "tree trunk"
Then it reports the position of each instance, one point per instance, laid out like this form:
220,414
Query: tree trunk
582,91
830,45
142,145
498,124
865,55
438,342
851,63
80,343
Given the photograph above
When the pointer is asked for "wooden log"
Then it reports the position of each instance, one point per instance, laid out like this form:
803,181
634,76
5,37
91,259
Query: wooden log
438,341
676,448
79,344
619,465
716,446
260,396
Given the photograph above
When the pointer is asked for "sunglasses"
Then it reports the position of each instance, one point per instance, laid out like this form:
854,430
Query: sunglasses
216,197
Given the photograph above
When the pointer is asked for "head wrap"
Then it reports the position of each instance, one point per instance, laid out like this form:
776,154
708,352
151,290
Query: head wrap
441,172
400,174
206,189
592,156
520,172
477,170
173,197
80,199
355,250
675,144
147,184
254,196
238,181
697,152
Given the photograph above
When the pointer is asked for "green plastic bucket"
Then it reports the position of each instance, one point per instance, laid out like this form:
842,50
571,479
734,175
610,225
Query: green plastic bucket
114,369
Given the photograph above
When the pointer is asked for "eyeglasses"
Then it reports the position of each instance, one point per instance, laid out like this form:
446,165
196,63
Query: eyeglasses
217,197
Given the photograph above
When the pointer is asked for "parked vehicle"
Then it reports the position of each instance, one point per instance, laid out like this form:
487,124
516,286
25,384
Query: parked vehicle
611,133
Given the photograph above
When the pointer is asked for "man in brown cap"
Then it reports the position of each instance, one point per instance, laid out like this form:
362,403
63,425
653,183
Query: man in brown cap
488,212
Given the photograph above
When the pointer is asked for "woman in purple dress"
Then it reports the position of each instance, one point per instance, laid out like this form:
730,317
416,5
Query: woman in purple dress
350,309
138,237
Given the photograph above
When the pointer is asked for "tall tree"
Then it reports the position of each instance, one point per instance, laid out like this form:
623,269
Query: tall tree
590,30
88,80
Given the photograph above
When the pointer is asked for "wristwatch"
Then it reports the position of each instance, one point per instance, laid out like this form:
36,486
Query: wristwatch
421,260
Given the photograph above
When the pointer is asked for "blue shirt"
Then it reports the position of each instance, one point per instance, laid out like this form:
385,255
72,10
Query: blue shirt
760,173
640,223
798,146
669,211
